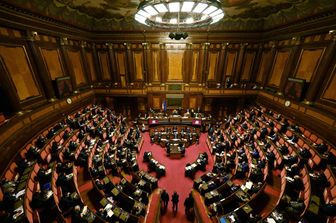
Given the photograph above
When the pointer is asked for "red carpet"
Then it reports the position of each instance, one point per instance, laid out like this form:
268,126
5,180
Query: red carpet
175,179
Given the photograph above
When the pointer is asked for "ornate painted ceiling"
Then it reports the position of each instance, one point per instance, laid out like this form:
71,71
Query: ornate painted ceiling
240,15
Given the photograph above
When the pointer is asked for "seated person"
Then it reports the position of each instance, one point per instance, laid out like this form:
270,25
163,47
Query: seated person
294,209
329,157
66,135
290,159
321,147
304,153
40,142
319,180
329,209
293,170
51,133
33,153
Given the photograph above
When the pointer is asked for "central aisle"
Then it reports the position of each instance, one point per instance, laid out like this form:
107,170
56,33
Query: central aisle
175,179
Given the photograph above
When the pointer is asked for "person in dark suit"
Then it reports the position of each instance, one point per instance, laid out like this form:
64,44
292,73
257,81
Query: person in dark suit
188,205
175,200
165,199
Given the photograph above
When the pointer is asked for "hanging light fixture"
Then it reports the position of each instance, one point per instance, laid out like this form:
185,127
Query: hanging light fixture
179,13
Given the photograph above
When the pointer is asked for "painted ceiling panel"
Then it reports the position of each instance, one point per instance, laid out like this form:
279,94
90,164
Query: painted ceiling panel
240,15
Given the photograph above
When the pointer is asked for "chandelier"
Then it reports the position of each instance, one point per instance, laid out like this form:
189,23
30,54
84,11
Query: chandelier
178,13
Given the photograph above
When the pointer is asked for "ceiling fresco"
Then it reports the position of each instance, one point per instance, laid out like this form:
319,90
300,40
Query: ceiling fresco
240,15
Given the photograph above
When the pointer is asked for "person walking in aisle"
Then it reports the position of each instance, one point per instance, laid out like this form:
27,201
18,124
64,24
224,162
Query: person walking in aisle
188,205
175,200
164,199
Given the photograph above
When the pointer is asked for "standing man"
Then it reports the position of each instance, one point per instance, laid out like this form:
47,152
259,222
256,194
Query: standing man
175,200
188,205
165,199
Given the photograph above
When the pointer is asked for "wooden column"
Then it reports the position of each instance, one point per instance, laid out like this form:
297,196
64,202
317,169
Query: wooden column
42,72
236,78
188,64
322,71
113,64
66,61
146,62
130,77
256,64
203,62
221,63
96,63
163,61
292,61
85,62
225,47
8,89
268,68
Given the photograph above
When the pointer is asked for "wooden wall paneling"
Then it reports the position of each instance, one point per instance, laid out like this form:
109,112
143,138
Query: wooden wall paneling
195,66
269,64
8,89
193,101
40,66
230,64
156,102
85,63
129,62
77,67
207,105
66,61
240,65
279,64
188,63
212,65
121,66
247,68
53,62
138,59
329,92
104,65
308,63
142,105
221,63
96,64
322,71
113,63
265,61
147,63
256,64
175,65
291,63
163,63
155,72
203,65
17,65
91,68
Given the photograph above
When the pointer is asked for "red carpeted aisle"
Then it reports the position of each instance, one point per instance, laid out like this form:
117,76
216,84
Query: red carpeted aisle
175,179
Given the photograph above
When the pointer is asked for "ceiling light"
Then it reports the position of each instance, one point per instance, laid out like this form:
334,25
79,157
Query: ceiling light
210,9
179,14
200,7
161,8
151,10
174,6
187,6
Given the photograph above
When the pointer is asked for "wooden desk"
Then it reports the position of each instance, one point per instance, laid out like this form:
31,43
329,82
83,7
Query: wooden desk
175,153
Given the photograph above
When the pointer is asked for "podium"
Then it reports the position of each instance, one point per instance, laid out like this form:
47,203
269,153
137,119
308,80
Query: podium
175,153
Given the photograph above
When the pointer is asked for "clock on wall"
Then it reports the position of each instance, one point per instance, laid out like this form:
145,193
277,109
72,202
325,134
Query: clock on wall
69,100
287,103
